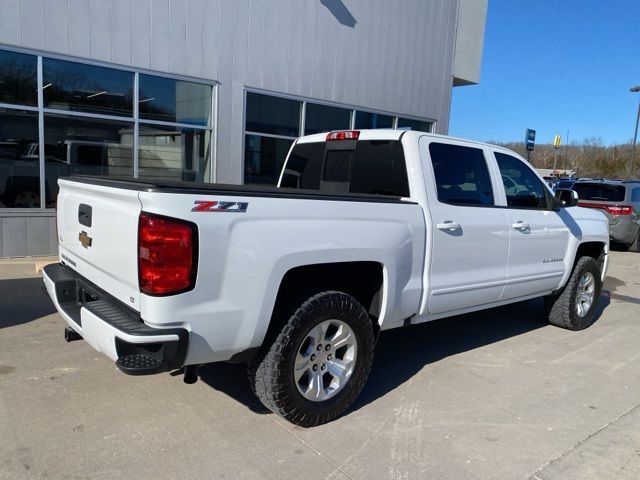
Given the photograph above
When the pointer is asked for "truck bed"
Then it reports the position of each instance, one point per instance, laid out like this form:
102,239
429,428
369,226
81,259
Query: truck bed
183,187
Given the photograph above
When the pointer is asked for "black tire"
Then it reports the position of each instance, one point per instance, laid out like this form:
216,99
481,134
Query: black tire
635,245
561,307
271,373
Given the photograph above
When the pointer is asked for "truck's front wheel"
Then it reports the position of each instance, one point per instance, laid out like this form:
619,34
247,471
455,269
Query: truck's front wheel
574,308
319,362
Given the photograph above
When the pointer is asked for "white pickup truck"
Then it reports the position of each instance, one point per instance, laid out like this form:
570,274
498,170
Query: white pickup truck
367,231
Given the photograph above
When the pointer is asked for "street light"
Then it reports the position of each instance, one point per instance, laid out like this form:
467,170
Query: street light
635,133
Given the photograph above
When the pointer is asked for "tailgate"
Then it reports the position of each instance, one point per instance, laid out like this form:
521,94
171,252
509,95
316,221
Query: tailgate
98,236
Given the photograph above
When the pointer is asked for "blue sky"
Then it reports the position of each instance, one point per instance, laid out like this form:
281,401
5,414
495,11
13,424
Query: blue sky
552,66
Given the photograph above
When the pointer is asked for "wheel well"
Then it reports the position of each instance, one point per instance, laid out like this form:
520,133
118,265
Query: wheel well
361,280
591,249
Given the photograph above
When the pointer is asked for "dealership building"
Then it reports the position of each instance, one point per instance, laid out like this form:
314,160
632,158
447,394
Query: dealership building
209,90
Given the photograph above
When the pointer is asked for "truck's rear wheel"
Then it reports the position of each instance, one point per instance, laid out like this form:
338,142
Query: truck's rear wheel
319,362
575,307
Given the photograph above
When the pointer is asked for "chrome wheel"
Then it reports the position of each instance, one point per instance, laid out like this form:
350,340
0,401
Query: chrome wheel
585,294
325,360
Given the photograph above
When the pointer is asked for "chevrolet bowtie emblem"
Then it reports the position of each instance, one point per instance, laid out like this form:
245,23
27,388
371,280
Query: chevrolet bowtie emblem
85,239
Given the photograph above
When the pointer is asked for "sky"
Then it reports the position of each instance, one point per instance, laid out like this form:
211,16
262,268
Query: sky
554,66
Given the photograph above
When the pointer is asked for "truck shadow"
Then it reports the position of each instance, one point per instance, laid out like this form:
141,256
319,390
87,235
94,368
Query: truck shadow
23,300
403,352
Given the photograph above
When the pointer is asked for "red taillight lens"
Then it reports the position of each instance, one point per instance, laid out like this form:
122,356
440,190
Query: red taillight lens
344,135
620,210
611,209
167,255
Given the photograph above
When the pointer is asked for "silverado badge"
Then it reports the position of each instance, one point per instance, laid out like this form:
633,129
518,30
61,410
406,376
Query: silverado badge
85,239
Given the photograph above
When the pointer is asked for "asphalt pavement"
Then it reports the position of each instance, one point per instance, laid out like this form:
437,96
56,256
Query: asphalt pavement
492,395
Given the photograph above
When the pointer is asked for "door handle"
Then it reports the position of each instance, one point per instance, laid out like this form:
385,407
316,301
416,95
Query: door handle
448,225
520,225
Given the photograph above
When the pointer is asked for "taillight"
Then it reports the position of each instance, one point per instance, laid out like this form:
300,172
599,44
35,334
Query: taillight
620,210
167,255
343,135
611,209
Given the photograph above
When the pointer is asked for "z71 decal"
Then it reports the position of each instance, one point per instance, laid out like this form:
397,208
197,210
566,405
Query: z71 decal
215,206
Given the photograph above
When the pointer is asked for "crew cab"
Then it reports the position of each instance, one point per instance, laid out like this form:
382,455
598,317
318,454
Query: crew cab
366,231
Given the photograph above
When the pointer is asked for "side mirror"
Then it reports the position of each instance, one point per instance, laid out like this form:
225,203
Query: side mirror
566,198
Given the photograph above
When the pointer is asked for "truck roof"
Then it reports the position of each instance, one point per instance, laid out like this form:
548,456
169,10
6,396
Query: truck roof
387,134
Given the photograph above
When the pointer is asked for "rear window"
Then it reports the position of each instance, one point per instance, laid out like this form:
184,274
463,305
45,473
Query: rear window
374,167
599,191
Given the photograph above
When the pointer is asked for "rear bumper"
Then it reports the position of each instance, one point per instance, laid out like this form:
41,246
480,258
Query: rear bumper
110,327
624,231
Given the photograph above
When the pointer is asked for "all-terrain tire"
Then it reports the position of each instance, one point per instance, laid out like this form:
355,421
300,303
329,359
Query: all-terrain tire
271,372
561,308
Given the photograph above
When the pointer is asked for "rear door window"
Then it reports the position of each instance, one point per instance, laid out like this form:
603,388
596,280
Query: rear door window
374,167
461,174
600,192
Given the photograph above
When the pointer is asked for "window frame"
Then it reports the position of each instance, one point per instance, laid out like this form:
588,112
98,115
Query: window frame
549,198
133,120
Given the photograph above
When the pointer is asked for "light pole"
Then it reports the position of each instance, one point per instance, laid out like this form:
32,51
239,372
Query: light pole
635,133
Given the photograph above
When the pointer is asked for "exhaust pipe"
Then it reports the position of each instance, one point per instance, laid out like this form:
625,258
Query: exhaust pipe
191,374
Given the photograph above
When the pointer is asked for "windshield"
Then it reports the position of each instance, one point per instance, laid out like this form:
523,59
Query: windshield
599,191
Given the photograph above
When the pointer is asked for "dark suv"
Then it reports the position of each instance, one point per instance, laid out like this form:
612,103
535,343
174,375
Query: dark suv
620,202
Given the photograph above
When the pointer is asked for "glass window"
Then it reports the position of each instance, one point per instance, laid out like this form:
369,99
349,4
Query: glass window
418,125
635,195
375,167
323,118
169,100
19,166
86,147
275,115
263,158
373,120
461,173
87,88
599,191
18,78
173,153
523,187
304,166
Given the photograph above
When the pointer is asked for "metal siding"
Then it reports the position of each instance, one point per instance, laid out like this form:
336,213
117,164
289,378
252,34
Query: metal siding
141,33
211,29
56,18
37,236
14,235
32,19
121,31
10,22
79,28
100,21
193,37
269,32
177,36
160,35
254,47
53,236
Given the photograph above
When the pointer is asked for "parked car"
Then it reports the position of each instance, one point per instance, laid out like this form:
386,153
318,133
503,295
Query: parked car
620,202
565,183
368,231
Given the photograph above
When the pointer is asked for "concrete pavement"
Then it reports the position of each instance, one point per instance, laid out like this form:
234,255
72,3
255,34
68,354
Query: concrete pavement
491,395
